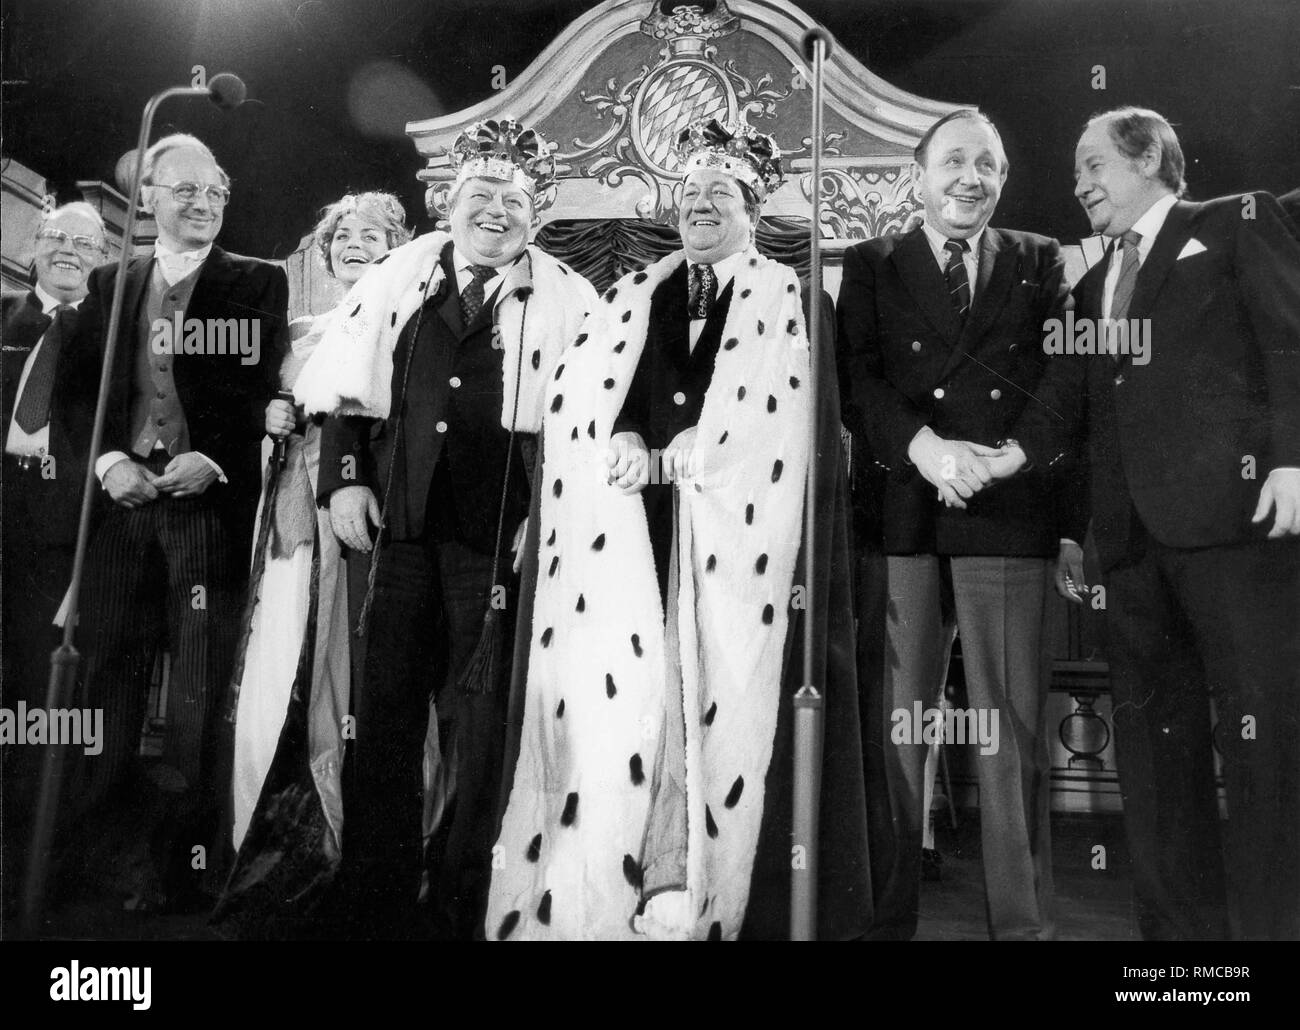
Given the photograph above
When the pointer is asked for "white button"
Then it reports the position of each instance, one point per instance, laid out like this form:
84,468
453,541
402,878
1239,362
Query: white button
679,397
996,394
916,346
455,382
938,393
441,427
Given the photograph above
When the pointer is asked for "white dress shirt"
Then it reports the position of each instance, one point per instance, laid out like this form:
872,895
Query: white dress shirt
725,270
1152,220
17,441
970,258
465,275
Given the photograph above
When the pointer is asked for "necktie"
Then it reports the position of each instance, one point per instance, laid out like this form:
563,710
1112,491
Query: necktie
1126,283
1128,274
34,408
471,297
175,267
703,290
955,275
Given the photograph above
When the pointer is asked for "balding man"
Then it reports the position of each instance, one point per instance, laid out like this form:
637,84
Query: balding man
46,436
941,338
195,366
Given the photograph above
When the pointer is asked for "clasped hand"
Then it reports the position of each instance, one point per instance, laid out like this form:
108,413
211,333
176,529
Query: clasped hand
132,485
959,469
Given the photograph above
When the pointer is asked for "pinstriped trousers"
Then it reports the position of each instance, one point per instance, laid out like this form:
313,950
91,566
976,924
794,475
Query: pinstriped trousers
165,575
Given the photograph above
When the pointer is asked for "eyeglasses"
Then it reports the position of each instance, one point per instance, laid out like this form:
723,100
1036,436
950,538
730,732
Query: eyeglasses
188,192
85,244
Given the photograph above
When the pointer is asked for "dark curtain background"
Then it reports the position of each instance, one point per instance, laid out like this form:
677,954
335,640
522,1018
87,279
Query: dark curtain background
606,249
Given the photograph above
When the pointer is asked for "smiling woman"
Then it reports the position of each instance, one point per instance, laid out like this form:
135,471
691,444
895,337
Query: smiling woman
356,229
293,683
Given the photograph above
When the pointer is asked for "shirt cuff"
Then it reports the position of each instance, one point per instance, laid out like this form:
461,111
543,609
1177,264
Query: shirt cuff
221,476
107,461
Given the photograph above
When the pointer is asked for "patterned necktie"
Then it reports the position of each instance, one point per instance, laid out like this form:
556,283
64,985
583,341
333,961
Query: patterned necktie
955,276
34,408
703,291
1128,274
471,297
1129,265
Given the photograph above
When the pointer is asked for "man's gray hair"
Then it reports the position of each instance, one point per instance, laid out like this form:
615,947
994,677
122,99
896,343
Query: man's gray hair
177,141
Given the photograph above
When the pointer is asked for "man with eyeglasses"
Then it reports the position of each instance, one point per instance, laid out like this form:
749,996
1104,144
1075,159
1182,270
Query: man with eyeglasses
46,436
180,463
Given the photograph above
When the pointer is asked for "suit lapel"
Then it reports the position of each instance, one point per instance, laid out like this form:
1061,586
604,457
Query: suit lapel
449,308
994,278
213,285
1164,252
924,281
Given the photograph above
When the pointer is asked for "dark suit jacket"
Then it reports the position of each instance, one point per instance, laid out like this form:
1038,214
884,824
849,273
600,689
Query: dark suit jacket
1290,202
224,399
452,454
70,421
1173,441
906,362
670,368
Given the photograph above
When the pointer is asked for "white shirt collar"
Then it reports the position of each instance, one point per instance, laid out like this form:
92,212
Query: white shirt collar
936,239
1150,224
49,302
161,250
463,265
726,269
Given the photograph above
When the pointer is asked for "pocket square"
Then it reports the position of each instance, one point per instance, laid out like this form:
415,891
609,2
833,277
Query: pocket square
1192,246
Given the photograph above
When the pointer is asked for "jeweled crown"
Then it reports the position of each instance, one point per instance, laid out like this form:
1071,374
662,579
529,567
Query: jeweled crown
501,148
735,148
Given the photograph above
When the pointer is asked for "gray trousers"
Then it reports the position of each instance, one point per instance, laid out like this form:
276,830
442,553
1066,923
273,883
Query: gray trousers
997,604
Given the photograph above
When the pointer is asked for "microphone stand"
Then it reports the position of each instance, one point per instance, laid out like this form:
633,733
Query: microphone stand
65,659
808,702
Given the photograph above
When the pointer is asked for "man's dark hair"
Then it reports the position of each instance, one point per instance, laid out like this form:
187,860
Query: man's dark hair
961,114
1135,130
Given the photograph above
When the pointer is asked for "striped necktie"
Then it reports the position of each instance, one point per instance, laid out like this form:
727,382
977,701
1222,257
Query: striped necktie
955,275
33,410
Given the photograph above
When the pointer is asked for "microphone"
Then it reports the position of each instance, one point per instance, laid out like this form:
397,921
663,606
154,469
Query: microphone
811,38
227,90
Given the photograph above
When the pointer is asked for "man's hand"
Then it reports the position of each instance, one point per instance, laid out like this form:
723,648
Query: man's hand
350,507
186,475
1281,490
1069,572
130,485
629,462
518,546
957,469
1006,461
280,418
679,457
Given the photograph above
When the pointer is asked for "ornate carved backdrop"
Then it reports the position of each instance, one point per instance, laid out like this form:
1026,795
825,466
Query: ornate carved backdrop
616,87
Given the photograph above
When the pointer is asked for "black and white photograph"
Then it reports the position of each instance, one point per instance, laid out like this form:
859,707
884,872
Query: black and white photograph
645,470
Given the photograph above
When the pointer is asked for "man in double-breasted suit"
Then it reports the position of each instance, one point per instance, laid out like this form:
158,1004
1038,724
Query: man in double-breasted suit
940,338
195,365
1192,428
